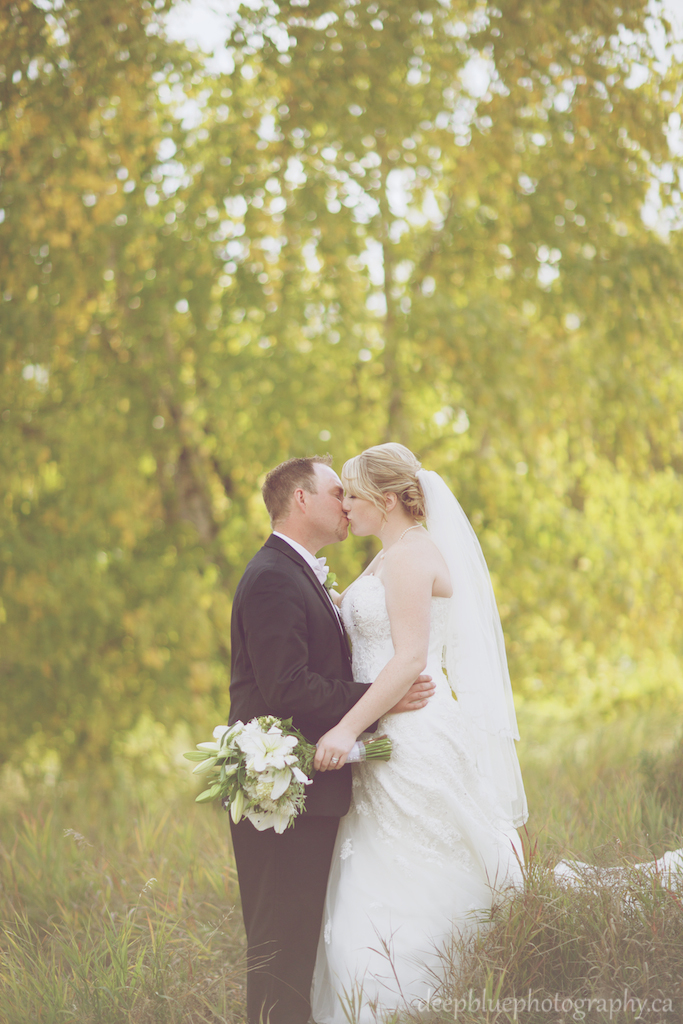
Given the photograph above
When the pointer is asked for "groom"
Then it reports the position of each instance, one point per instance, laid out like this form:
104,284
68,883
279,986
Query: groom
290,658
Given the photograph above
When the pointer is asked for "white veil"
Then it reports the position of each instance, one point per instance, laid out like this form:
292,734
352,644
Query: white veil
475,660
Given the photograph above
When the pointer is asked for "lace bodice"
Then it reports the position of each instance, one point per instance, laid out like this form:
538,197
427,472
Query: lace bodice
364,612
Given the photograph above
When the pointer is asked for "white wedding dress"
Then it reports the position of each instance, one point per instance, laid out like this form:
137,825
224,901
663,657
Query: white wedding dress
422,849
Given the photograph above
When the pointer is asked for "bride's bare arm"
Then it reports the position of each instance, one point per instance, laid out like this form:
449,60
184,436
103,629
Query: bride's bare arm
408,580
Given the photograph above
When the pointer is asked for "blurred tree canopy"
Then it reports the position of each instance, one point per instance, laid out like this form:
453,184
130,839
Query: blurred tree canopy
455,225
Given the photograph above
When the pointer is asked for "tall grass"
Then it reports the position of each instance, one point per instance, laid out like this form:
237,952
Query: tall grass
131,916
609,948
603,951
605,790
123,913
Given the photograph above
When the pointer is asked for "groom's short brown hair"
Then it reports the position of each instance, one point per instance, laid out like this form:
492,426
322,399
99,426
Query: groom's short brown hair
281,482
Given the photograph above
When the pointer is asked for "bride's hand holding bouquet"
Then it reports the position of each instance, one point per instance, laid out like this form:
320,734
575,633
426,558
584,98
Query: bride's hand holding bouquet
332,749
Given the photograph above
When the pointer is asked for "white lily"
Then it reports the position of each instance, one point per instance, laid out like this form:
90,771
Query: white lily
277,820
300,776
226,734
281,781
266,750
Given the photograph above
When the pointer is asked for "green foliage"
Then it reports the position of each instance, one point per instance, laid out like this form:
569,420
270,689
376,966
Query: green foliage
420,222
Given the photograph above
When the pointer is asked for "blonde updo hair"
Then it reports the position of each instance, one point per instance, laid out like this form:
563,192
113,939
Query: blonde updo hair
382,469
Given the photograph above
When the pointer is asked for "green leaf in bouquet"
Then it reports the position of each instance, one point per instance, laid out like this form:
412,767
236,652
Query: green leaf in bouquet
228,736
195,755
305,752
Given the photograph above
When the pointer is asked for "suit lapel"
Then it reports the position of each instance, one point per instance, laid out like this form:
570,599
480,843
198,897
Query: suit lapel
288,550
320,591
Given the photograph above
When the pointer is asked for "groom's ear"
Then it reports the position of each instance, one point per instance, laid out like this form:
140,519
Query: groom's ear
298,499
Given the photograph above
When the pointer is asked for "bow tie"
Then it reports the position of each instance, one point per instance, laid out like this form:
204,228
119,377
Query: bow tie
321,569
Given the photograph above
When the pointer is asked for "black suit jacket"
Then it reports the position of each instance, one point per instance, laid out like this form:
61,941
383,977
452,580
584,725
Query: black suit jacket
290,658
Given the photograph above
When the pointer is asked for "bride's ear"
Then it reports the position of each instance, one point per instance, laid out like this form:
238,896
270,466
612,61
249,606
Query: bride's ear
390,501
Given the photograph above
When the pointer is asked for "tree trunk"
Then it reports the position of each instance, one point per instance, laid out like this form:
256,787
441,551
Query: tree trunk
396,426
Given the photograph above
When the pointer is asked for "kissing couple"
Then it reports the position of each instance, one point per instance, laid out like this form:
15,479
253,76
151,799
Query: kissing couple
350,908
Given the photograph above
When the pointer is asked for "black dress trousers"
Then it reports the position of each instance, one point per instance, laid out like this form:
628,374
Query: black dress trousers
283,880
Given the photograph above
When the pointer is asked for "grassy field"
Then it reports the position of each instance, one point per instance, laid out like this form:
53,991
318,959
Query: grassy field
113,912
611,949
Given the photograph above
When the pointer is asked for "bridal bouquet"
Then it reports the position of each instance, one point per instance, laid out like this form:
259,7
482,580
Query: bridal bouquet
260,770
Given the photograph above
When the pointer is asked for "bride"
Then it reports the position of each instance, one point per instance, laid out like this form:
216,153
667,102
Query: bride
431,833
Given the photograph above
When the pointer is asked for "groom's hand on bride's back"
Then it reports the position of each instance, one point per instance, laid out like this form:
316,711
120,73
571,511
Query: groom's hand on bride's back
417,696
